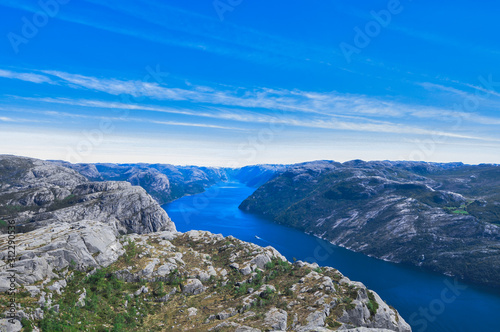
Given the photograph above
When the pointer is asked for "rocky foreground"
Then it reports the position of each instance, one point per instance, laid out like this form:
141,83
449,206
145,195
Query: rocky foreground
105,257
196,281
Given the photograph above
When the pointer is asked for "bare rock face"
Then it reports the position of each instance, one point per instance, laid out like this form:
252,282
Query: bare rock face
193,286
38,193
46,251
277,319
10,326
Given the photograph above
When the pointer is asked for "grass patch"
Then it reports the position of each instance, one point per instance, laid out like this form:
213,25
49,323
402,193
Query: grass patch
372,304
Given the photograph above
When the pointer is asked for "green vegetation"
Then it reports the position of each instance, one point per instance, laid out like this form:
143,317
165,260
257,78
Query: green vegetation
278,268
105,305
372,304
318,270
462,209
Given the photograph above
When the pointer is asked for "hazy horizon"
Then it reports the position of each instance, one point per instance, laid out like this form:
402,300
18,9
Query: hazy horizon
229,165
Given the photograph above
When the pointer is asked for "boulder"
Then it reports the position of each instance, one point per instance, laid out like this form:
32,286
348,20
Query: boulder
193,287
12,325
276,319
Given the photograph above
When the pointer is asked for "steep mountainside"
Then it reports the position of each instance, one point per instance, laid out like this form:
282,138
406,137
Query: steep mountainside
444,217
164,182
37,193
256,175
103,256
168,182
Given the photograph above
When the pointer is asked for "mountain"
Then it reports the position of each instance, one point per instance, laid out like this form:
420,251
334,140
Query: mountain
442,217
36,193
166,183
104,256
255,175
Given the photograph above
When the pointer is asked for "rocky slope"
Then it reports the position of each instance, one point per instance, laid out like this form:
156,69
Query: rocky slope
255,175
98,256
196,281
37,193
443,217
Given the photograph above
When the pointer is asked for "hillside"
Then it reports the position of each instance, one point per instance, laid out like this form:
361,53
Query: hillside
443,217
103,256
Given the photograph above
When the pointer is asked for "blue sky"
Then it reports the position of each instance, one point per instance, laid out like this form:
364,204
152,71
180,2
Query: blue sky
237,82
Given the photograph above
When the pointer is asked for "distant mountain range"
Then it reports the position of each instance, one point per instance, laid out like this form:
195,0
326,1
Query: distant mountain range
168,182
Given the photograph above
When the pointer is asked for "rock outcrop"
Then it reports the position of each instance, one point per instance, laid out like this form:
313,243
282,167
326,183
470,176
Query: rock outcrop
44,252
280,296
37,193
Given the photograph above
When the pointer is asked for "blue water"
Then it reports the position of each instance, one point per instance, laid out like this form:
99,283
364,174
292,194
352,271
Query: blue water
427,301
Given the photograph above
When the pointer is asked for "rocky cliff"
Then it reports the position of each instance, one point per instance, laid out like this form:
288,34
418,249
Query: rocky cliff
37,193
104,256
444,217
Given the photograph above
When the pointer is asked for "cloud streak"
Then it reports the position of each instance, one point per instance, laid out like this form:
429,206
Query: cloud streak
295,108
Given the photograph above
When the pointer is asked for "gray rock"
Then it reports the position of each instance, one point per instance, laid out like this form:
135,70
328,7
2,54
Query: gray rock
54,247
12,325
246,270
226,314
193,286
38,314
81,299
142,290
203,276
276,319
166,269
246,329
44,187
261,260
192,311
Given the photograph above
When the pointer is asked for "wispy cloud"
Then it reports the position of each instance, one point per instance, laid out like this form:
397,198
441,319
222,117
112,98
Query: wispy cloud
130,119
312,123
27,77
326,110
